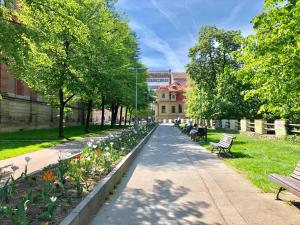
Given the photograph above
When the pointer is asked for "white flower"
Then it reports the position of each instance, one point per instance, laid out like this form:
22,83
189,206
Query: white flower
122,149
89,144
88,158
92,140
14,168
95,146
106,154
53,199
111,143
25,205
106,148
120,139
98,142
27,159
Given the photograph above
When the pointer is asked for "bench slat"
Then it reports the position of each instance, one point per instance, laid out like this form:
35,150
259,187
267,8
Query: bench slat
295,176
287,183
296,172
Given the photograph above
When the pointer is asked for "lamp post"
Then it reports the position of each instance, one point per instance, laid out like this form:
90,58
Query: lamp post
200,90
136,69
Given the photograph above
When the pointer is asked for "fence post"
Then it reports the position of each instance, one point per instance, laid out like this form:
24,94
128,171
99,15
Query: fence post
244,125
260,127
232,124
280,128
223,123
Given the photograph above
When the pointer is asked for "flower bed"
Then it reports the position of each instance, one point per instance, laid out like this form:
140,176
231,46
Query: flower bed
48,196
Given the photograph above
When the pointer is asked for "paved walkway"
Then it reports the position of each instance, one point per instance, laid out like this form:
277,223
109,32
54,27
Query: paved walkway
47,156
174,181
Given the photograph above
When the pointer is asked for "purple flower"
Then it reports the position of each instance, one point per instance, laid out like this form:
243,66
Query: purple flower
27,159
14,168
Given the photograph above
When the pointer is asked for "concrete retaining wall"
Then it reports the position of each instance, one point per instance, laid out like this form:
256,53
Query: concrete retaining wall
90,205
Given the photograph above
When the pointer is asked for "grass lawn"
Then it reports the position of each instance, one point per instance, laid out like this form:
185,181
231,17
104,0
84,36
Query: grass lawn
257,158
17,143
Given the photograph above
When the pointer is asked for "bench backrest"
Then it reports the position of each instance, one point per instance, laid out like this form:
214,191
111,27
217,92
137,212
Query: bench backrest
226,141
296,173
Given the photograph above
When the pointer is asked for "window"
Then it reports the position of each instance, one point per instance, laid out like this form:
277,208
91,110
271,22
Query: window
163,109
173,96
173,109
179,108
163,95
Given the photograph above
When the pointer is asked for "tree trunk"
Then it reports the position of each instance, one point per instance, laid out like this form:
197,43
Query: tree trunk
112,115
125,122
88,116
121,113
102,113
61,114
130,117
116,114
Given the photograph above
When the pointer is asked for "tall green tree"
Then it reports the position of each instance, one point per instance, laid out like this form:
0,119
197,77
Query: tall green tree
213,70
271,60
71,50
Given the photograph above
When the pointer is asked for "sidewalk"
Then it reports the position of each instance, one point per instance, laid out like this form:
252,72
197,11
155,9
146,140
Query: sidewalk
47,156
175,181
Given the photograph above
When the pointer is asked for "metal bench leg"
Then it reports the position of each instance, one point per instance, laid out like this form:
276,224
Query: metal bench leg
280,190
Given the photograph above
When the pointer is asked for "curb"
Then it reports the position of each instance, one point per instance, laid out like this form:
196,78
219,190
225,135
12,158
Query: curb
89,206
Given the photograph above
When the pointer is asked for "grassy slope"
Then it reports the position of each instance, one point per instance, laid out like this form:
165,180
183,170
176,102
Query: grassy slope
257,158
21,142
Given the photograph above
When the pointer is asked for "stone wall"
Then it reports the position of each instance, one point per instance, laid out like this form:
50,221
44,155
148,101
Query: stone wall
22,114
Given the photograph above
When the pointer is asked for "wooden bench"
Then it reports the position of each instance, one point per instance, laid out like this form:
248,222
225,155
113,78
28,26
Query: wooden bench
291,183
201,133
224,145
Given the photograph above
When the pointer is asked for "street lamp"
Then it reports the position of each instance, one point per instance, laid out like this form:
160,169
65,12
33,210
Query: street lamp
136,69
200,90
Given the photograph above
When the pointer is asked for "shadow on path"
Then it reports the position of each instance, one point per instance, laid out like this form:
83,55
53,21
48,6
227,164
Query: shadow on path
163,205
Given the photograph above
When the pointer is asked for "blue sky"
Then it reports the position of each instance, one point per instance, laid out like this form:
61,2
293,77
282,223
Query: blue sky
166,29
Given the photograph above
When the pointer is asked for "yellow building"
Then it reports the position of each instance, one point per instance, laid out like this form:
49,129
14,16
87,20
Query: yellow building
169,103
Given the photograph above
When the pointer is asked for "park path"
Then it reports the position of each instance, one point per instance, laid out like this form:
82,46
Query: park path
175,181
47,156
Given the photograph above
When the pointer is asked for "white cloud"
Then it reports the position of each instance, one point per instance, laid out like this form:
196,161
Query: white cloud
149,38
164,12
234,13
152,63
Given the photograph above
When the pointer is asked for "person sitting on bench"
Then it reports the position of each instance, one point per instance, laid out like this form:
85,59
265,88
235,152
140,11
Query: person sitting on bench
189,128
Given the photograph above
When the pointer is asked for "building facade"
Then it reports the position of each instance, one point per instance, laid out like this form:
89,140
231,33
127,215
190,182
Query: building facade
170,103
23,109
179,77
156,79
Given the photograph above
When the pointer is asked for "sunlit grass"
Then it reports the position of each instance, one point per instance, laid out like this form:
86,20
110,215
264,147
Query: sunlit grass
17,143
257,158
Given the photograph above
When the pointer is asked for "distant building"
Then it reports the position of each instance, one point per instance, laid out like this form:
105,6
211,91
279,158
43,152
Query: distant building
179,77
158,78
170,103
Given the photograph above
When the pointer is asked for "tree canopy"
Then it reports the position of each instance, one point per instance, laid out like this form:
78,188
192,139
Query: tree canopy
72,50
256,76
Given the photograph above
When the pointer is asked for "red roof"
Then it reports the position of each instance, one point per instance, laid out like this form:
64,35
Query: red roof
173,87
